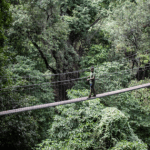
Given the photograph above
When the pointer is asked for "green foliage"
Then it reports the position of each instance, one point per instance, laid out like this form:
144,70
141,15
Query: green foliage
128,27
76,93
18,131
87,125
62,32
134,104
144,59
24,130
124,145
73,128
100,37
113,128
140,114
110,76
80,14
5,20
96,55
37,31
82,17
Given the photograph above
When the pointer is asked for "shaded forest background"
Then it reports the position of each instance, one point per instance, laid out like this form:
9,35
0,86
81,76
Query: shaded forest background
39,38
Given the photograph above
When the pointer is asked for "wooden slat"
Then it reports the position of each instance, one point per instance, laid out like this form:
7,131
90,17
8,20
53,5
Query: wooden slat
72,100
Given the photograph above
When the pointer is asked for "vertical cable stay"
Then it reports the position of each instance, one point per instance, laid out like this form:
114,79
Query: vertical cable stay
75,79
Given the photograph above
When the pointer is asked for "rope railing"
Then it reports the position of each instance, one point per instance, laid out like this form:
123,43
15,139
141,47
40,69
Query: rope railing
76,79
83,70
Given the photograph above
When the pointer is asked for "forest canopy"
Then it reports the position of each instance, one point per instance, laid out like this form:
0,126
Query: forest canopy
47,48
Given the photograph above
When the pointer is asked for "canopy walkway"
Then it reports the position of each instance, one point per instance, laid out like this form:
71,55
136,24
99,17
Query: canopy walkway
73,100
58,84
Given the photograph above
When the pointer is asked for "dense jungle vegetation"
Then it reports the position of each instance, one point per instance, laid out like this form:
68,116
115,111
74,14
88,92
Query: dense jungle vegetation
43,37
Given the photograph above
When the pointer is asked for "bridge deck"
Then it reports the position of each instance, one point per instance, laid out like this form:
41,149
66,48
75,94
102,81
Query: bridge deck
72,100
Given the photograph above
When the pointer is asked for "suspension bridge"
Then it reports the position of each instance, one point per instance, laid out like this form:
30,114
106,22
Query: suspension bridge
73,100
64,81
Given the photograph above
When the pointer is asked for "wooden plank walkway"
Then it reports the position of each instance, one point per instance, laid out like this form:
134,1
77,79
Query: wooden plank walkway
72,100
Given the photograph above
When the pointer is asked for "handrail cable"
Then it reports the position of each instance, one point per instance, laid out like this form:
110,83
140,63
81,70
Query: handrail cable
70,79
76,70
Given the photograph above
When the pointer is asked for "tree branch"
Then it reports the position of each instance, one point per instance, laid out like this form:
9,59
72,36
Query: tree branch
95,22
42,55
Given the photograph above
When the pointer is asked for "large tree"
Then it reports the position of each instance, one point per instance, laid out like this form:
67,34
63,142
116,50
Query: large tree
52,33
128,26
